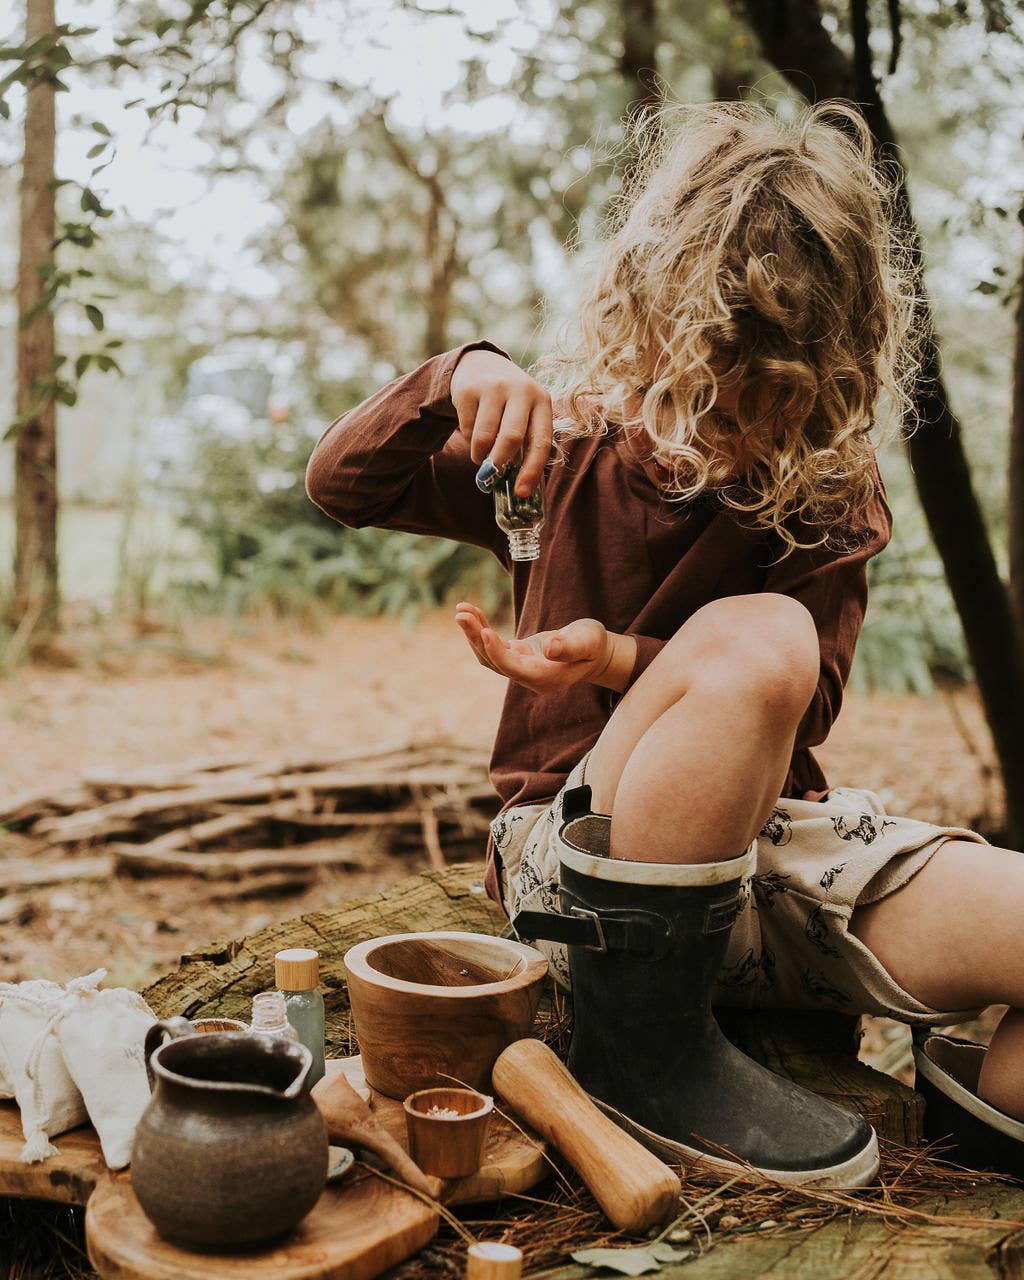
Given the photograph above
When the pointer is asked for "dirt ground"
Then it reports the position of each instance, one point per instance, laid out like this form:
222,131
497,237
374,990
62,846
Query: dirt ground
227,689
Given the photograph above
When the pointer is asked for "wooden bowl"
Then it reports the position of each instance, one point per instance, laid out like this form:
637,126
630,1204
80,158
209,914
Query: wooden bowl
444,1144
437,1008
212,1026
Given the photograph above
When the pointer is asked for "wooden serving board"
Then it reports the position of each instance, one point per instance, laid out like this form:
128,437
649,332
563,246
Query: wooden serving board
359,1227
67,1178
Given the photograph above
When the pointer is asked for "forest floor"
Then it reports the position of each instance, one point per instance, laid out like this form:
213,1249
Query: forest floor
217,688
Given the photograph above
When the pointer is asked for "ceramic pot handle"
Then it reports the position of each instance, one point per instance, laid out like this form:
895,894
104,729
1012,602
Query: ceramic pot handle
158,1034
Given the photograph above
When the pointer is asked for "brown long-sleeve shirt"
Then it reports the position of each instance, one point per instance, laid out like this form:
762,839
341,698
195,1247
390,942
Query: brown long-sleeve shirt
612,548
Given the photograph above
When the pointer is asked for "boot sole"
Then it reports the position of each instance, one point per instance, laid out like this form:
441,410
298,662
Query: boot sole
858,1171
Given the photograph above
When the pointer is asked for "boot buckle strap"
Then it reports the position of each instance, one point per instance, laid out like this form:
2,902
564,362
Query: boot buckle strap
601,945
554,926
641,933
645,935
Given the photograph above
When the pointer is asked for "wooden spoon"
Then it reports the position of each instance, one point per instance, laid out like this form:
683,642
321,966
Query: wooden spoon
350,1120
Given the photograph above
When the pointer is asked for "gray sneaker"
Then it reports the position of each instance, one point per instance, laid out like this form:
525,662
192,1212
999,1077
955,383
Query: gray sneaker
947,1076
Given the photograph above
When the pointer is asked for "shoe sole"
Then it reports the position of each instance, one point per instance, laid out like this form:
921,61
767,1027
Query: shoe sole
858,1171
982,1137
959,1094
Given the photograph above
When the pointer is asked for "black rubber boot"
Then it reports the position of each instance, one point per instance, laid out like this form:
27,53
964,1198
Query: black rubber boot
646,942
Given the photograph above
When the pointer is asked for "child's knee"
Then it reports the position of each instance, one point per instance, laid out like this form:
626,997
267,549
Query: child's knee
765,645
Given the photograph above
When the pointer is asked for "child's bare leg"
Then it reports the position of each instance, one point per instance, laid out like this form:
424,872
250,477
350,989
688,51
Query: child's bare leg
696,754
951,938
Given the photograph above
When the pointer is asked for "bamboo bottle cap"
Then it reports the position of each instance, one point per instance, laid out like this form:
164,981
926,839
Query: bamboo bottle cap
489,1260
297,969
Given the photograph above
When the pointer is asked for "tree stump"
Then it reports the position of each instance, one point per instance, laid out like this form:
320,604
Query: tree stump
221,979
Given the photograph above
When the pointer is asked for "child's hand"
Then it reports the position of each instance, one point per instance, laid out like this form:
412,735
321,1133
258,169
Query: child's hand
545,662
502,411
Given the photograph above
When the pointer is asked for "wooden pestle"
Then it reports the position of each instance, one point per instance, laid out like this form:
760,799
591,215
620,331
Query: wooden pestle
633,1187
352,1121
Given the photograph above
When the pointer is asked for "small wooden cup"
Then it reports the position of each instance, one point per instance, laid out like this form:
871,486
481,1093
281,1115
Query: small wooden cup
448,1146
209,1026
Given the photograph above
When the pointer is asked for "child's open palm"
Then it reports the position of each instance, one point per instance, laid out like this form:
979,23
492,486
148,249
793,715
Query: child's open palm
545,662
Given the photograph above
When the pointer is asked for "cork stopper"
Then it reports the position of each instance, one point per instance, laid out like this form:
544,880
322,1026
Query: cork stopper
297,969
489,1260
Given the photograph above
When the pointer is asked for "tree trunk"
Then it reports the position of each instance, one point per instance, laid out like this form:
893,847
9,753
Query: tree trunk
796,43
639,59
440,242
1016,488
35,466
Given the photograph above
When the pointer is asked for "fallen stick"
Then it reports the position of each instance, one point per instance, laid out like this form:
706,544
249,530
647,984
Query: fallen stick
234,819
19,873
264,884
190,773
147,860
432,839
118,816
224,824
29,806
107,787
12,907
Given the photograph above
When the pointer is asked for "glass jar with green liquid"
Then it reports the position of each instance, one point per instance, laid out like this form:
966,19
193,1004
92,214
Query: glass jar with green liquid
297,975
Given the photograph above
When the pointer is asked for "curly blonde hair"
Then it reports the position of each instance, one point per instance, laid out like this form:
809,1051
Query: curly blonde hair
758,258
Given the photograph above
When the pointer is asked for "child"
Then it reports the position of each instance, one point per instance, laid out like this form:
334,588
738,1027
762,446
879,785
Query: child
684,639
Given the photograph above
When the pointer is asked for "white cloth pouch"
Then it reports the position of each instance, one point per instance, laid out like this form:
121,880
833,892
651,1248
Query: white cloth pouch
6,1084
101,1034
33,1065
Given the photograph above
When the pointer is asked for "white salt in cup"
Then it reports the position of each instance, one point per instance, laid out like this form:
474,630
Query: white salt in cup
447,1130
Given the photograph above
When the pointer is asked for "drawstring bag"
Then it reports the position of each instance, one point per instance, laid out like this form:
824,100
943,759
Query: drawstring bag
6,1085
101,1034
33,1065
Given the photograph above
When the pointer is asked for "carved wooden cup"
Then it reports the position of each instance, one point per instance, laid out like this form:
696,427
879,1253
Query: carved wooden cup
447,1129
434,1009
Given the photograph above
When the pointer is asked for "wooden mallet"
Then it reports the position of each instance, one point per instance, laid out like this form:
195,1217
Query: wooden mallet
633,1187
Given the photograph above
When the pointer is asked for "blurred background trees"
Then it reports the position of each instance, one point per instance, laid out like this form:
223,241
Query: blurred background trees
34,605
344,187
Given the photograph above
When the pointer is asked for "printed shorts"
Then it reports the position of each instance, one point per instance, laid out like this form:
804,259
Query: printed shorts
791,946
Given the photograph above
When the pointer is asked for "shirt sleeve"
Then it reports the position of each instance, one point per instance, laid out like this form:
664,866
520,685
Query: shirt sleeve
833,587
647,649
397,461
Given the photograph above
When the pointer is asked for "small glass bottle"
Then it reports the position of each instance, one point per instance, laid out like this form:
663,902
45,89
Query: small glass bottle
270,1016
297,974
521,518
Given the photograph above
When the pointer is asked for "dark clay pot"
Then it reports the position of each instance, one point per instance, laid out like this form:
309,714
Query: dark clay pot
231,1151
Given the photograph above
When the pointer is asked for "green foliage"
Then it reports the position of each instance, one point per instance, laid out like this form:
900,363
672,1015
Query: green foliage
399,236
268,546
42,61
911,634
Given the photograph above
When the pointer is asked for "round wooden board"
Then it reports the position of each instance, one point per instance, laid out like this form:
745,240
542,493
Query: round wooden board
356,1231
359,1228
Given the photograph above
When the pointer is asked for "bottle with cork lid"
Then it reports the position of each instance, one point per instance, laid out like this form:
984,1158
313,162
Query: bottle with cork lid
297,975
